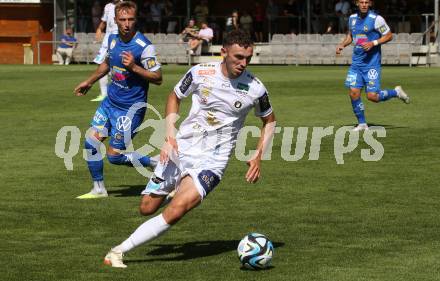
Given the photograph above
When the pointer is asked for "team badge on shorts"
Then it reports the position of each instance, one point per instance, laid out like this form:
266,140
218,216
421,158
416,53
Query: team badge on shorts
123,123
372,74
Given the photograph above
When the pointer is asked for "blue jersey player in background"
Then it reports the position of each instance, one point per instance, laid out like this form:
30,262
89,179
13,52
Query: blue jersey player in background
368,30
131,61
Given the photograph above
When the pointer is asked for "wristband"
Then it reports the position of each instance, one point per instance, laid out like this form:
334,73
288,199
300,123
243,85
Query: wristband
375,42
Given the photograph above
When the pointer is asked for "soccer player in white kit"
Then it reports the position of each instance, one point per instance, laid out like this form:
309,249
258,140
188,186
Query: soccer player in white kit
194,160
109,25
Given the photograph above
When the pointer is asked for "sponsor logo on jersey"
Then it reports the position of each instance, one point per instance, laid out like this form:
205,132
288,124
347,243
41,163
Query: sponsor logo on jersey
372,74
206,91
211,119
123,123
206,72
226,85
237,104
112,44
151,62
186,83
361,38
383,29
244,87
119,73
141,43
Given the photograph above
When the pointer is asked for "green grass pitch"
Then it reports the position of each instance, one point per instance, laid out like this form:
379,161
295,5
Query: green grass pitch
356,221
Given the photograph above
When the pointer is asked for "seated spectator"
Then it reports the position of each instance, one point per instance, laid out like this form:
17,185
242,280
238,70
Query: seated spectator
204,35
190,31
65,49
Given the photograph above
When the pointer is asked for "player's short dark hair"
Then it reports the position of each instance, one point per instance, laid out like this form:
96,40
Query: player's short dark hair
125,5
239,37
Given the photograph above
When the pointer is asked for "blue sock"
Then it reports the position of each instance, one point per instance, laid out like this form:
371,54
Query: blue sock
94,160
358,109
385,95
126,159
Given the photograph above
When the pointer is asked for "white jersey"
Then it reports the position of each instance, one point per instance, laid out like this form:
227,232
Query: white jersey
219,108
109,18
111,28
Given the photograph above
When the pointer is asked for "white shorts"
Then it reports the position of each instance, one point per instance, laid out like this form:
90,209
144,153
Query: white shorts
102,53
168,176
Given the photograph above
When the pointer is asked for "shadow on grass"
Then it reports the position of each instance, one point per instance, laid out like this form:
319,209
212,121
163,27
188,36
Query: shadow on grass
388,127
192,250
127,191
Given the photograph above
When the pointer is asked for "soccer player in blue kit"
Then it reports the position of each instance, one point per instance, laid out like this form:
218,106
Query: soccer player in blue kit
131,61
368,30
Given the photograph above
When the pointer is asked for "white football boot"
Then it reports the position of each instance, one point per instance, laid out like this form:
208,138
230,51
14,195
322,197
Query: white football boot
401,94
360,127
114,258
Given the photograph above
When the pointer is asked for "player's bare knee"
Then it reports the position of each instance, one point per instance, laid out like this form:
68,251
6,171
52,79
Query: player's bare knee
146,209
174,213
355,95
373,97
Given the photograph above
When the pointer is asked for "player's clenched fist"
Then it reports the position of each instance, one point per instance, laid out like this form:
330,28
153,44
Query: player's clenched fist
128,60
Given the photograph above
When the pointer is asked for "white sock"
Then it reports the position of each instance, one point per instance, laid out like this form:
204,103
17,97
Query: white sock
99,187
103,85
149,230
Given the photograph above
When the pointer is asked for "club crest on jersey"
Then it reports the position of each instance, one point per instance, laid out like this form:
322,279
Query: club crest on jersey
372,74
112,44
353,22
123,123
365,28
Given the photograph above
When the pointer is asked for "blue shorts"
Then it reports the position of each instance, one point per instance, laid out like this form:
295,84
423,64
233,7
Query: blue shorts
360,77
119,125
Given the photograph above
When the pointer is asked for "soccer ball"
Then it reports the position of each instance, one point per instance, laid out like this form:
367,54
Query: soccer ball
255,251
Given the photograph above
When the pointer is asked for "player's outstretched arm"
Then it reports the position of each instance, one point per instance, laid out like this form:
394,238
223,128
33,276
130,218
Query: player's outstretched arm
171,111
85,86
267,132
128,61
347,41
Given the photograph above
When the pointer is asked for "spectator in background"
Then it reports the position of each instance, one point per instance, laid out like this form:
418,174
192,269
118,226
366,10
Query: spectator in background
190,31
156,9
201,12
170,16
65,49
342,10
232,22
291,11
246,23
258,21
96,14
272,13
204,36
145,22
216,29
316,16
